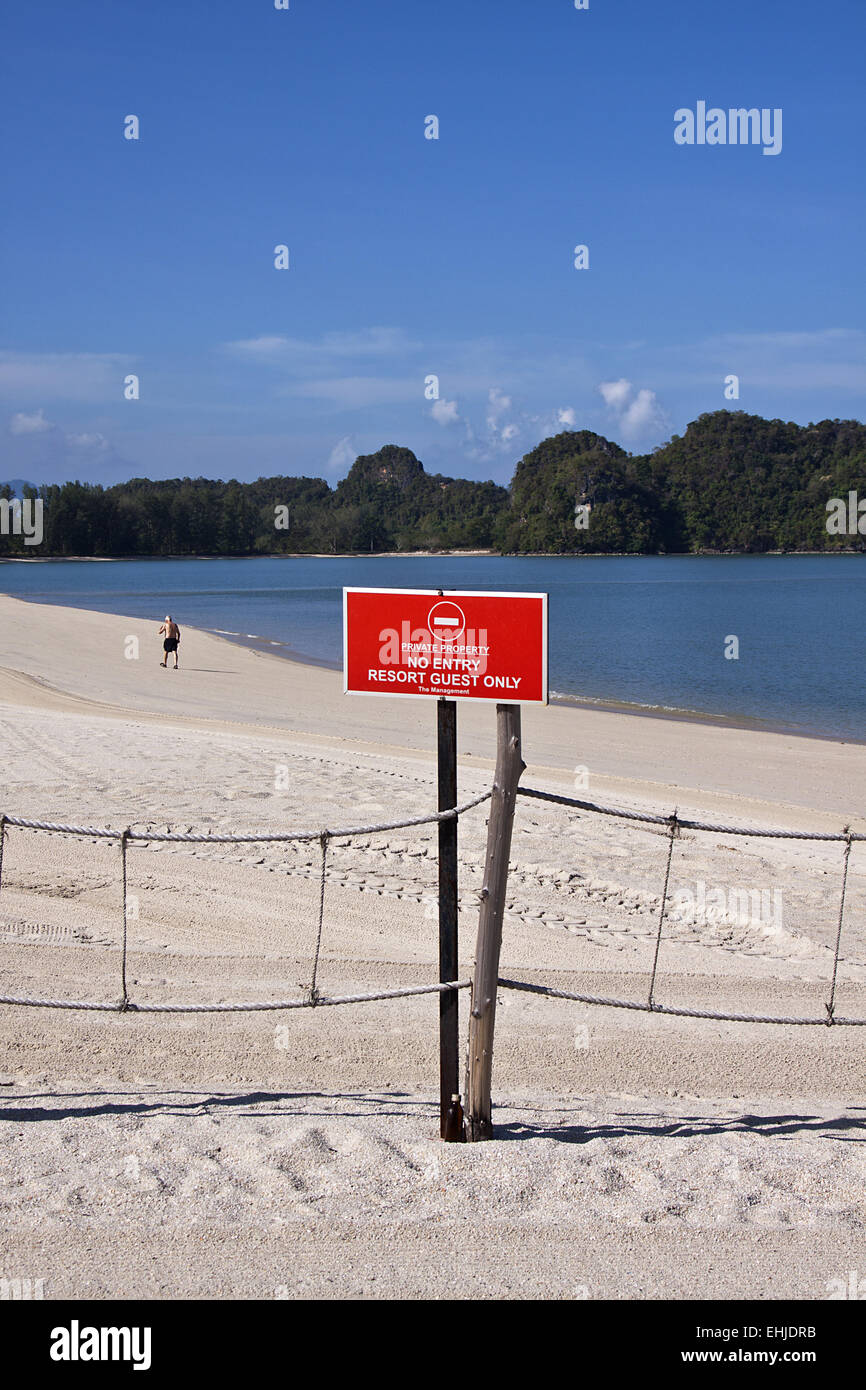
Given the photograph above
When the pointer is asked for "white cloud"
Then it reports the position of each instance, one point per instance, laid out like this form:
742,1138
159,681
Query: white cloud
825,360
23,424
332,367
343,455
820,338
87,441
566,416
373,342
500,432
353,392
30,424
498,404
73,376
830,361
643,414
616,393
638,412
445,412
365,342
265,346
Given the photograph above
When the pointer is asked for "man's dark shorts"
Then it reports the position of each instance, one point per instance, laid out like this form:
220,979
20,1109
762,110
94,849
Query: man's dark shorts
170,644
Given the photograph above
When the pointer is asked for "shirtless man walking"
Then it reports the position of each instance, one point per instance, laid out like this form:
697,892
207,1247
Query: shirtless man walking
172,639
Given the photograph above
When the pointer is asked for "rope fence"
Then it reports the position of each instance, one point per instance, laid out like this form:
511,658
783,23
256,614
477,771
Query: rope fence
313,998
150,836
675,823
320,1001
685,824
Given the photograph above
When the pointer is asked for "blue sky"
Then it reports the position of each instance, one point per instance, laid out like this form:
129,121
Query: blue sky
412,257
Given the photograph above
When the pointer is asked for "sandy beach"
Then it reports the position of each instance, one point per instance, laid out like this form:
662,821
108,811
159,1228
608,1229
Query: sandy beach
296,1154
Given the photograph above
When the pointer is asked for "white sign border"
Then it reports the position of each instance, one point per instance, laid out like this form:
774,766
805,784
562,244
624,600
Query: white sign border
453,594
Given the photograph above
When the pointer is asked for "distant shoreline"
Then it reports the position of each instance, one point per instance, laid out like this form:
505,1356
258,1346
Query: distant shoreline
432,555
682,715
282,651
57,660
271,647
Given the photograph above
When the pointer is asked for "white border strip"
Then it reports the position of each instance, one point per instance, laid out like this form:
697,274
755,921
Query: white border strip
453,594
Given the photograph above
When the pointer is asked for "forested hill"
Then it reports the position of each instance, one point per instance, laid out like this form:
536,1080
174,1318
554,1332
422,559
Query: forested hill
732,482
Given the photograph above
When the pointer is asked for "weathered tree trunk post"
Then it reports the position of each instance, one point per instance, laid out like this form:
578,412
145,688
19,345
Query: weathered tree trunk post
509,766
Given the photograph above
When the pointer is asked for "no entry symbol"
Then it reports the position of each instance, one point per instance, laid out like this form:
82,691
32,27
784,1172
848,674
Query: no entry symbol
446,621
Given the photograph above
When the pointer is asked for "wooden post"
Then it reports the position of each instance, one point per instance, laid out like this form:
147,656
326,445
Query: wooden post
449,1010
509,766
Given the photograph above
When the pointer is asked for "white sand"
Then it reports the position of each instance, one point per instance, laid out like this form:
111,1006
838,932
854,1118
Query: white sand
295,1154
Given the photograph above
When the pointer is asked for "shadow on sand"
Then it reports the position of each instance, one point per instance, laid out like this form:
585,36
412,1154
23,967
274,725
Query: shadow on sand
557,1124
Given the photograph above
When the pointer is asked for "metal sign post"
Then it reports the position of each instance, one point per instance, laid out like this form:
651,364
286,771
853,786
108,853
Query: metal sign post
450,1118
450,645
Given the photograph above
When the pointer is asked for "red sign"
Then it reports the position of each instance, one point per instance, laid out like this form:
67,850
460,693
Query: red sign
465,646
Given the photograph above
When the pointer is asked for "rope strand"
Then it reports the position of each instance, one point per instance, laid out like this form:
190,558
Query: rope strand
314,993
832,1001
671,837
124,1001
322,1001
314,999
169,837
641,1007
649,819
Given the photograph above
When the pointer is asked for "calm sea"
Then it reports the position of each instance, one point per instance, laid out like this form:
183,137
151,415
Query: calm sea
647,631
